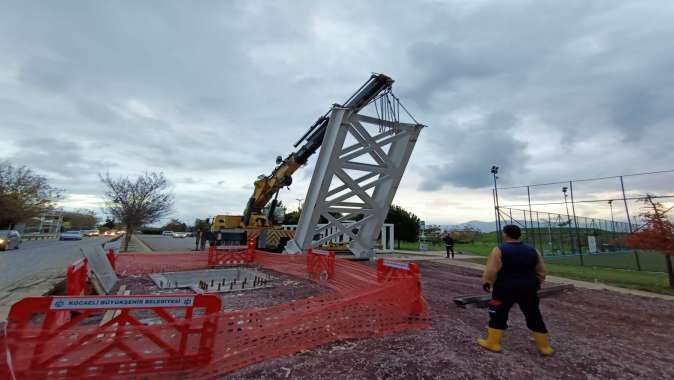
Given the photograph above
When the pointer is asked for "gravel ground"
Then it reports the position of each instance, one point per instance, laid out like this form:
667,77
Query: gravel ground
596,335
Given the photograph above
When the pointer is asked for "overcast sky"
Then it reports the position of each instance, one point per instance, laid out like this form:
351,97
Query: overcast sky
211,92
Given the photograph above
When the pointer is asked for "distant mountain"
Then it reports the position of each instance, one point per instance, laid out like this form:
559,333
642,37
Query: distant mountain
482,226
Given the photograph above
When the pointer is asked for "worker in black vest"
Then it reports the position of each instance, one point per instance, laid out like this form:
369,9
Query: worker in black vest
449,245
515,271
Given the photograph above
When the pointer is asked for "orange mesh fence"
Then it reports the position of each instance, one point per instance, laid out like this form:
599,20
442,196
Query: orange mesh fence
141,263
49,341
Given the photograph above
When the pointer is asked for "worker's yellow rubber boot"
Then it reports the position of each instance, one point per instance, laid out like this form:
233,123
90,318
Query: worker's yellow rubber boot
493,341
542,343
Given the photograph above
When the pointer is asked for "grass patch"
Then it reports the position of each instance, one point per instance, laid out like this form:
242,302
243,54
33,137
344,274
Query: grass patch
481,246
648,281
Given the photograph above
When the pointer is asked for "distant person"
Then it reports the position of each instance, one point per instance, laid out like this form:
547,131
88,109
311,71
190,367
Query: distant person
449,245
515,271
197,239
205,236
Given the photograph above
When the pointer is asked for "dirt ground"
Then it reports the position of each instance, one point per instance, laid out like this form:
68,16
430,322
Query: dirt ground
596,335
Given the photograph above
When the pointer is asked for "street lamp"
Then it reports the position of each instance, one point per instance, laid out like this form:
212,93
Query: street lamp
299,203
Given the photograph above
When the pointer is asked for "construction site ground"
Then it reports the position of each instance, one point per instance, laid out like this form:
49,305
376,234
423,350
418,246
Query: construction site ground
596,334
283,288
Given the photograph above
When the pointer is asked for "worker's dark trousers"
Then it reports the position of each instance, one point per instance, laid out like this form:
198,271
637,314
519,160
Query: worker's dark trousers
527,299
450,248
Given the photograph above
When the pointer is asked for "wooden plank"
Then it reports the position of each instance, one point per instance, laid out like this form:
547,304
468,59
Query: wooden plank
482,301
111,314
97,284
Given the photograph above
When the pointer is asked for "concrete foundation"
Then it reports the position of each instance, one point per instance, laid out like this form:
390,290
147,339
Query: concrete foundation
214,280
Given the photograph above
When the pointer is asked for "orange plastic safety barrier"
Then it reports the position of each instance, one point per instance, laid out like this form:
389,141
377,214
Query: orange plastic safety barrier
320,265
111,255
231,255
76,278
111,335
5,371
50,341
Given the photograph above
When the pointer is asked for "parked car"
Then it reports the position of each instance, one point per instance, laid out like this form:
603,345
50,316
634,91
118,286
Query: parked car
180,235
109,233
71,235
9,239
167,233
91,233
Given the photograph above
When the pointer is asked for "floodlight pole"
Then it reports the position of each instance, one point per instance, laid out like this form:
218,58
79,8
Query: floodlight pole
610,204
568,219
627,211
531,218
575,223
494,171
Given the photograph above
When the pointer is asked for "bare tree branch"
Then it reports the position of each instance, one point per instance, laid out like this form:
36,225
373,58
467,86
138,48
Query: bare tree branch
137,202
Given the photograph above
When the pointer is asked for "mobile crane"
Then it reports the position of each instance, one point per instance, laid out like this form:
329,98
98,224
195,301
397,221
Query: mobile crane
264,226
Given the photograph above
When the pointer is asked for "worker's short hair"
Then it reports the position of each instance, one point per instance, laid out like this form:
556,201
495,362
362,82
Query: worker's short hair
512,231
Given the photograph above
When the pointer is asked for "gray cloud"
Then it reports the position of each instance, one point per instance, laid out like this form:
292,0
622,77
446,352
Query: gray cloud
216,90
470,147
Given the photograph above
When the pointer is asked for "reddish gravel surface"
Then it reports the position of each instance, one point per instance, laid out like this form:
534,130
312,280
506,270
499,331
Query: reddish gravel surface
596,335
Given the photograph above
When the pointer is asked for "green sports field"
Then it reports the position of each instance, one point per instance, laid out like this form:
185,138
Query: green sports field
618,269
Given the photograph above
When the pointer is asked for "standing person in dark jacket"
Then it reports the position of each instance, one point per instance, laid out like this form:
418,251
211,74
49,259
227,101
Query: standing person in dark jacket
449,245
197,236
515,271
205,236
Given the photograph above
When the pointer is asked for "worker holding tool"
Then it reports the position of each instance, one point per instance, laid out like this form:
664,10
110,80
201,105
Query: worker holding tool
515,271
449,245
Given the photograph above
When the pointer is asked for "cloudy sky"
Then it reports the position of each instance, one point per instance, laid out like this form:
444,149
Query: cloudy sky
211,92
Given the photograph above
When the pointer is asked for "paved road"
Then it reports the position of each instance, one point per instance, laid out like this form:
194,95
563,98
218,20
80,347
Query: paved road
39,259
37,266
166,243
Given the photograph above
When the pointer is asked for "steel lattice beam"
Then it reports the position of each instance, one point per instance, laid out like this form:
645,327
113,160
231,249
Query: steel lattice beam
335,189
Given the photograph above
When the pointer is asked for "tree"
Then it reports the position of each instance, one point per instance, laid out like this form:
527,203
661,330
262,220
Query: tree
201,224
109,223
175,225
137,202
406,224
23,195
80,219
292,217
656,235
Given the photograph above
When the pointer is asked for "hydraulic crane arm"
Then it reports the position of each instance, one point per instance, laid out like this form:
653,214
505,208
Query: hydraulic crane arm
266,187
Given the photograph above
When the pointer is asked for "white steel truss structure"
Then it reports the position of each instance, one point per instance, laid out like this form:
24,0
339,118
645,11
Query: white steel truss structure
385,243
356,176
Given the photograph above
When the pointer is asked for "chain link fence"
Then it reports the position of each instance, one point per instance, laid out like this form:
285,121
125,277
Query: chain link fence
582,221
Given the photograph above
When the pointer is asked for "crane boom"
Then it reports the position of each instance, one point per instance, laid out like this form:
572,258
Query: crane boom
267,187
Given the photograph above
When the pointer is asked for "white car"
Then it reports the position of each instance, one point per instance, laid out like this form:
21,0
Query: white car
71,235
167,233
9,239
180,235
